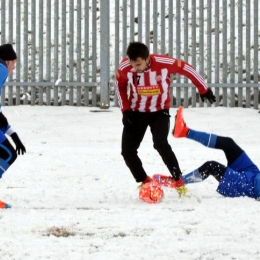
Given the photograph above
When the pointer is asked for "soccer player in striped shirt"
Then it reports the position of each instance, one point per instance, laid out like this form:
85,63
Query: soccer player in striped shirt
148,104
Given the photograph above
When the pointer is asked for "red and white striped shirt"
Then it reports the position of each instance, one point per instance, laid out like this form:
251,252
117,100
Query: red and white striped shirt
149,90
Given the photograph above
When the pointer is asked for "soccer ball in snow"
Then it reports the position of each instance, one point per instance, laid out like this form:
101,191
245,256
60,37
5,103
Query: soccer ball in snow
151,193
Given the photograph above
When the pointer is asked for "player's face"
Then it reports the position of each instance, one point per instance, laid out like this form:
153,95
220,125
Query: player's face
10,65
139,64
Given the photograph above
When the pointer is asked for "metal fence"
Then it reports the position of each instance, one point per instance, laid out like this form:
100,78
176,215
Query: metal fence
82,42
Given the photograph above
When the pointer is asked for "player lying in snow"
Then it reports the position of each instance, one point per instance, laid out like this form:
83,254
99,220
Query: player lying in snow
241,177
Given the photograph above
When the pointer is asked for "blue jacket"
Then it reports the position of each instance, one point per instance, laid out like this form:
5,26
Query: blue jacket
239,178
3,77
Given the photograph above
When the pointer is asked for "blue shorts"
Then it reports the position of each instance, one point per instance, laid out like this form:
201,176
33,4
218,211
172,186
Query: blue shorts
239,178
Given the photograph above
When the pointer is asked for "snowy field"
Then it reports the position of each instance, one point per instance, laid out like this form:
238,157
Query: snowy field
73,197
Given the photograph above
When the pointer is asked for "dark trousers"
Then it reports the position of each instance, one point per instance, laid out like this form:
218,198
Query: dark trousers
232,152
7,152
7,156
132,137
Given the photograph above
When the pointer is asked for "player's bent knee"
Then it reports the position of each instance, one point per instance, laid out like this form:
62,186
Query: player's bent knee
13,158
128,154
161,146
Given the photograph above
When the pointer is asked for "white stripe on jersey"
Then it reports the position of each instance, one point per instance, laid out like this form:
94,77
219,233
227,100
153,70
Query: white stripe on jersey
143,103
135,97
152,76
130,77
165,88
152,107
124,64
164,60
196,75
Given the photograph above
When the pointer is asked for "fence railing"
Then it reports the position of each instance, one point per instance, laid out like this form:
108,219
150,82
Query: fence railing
82,42
48,93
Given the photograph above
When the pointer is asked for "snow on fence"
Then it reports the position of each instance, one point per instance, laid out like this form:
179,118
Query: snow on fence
82,42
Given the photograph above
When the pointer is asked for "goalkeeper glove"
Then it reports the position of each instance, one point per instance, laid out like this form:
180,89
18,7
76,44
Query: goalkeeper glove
209,96
20,149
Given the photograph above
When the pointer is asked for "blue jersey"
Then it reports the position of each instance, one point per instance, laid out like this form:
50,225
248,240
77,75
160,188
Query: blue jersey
3,77
3,73
238,179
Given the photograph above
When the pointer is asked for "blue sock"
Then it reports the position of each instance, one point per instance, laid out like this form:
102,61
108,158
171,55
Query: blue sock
192,177
206,139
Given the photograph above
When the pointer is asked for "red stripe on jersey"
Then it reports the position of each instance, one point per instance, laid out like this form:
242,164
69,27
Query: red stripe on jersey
120,102
138,102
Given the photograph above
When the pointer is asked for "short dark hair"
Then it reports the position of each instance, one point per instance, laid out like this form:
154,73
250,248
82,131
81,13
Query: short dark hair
7,52
137,50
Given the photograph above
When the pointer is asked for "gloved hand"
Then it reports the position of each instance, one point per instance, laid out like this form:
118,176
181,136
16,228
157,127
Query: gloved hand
127,118
20,149
3,121
209,96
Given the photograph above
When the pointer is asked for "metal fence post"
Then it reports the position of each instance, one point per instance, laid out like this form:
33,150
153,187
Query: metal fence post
104,54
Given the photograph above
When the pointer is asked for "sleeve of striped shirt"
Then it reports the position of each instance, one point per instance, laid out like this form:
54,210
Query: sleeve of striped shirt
121,83
187,70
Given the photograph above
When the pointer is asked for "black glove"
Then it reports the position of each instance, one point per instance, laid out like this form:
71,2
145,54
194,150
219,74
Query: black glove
3,121
20,149
127,118
209,96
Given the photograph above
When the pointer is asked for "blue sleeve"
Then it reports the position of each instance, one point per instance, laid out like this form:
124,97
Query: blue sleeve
3,77
3,74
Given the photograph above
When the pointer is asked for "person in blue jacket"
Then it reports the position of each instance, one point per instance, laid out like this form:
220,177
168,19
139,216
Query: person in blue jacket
241,177
7,152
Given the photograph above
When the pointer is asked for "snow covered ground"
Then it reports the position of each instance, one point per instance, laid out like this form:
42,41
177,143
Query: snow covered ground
73,197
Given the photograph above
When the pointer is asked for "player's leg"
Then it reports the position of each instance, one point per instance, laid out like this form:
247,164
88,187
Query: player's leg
160,123
227,144
131,139
237,159
7,157
213,168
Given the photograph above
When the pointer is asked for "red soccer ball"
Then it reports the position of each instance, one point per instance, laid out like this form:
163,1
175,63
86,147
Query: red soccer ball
151,193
